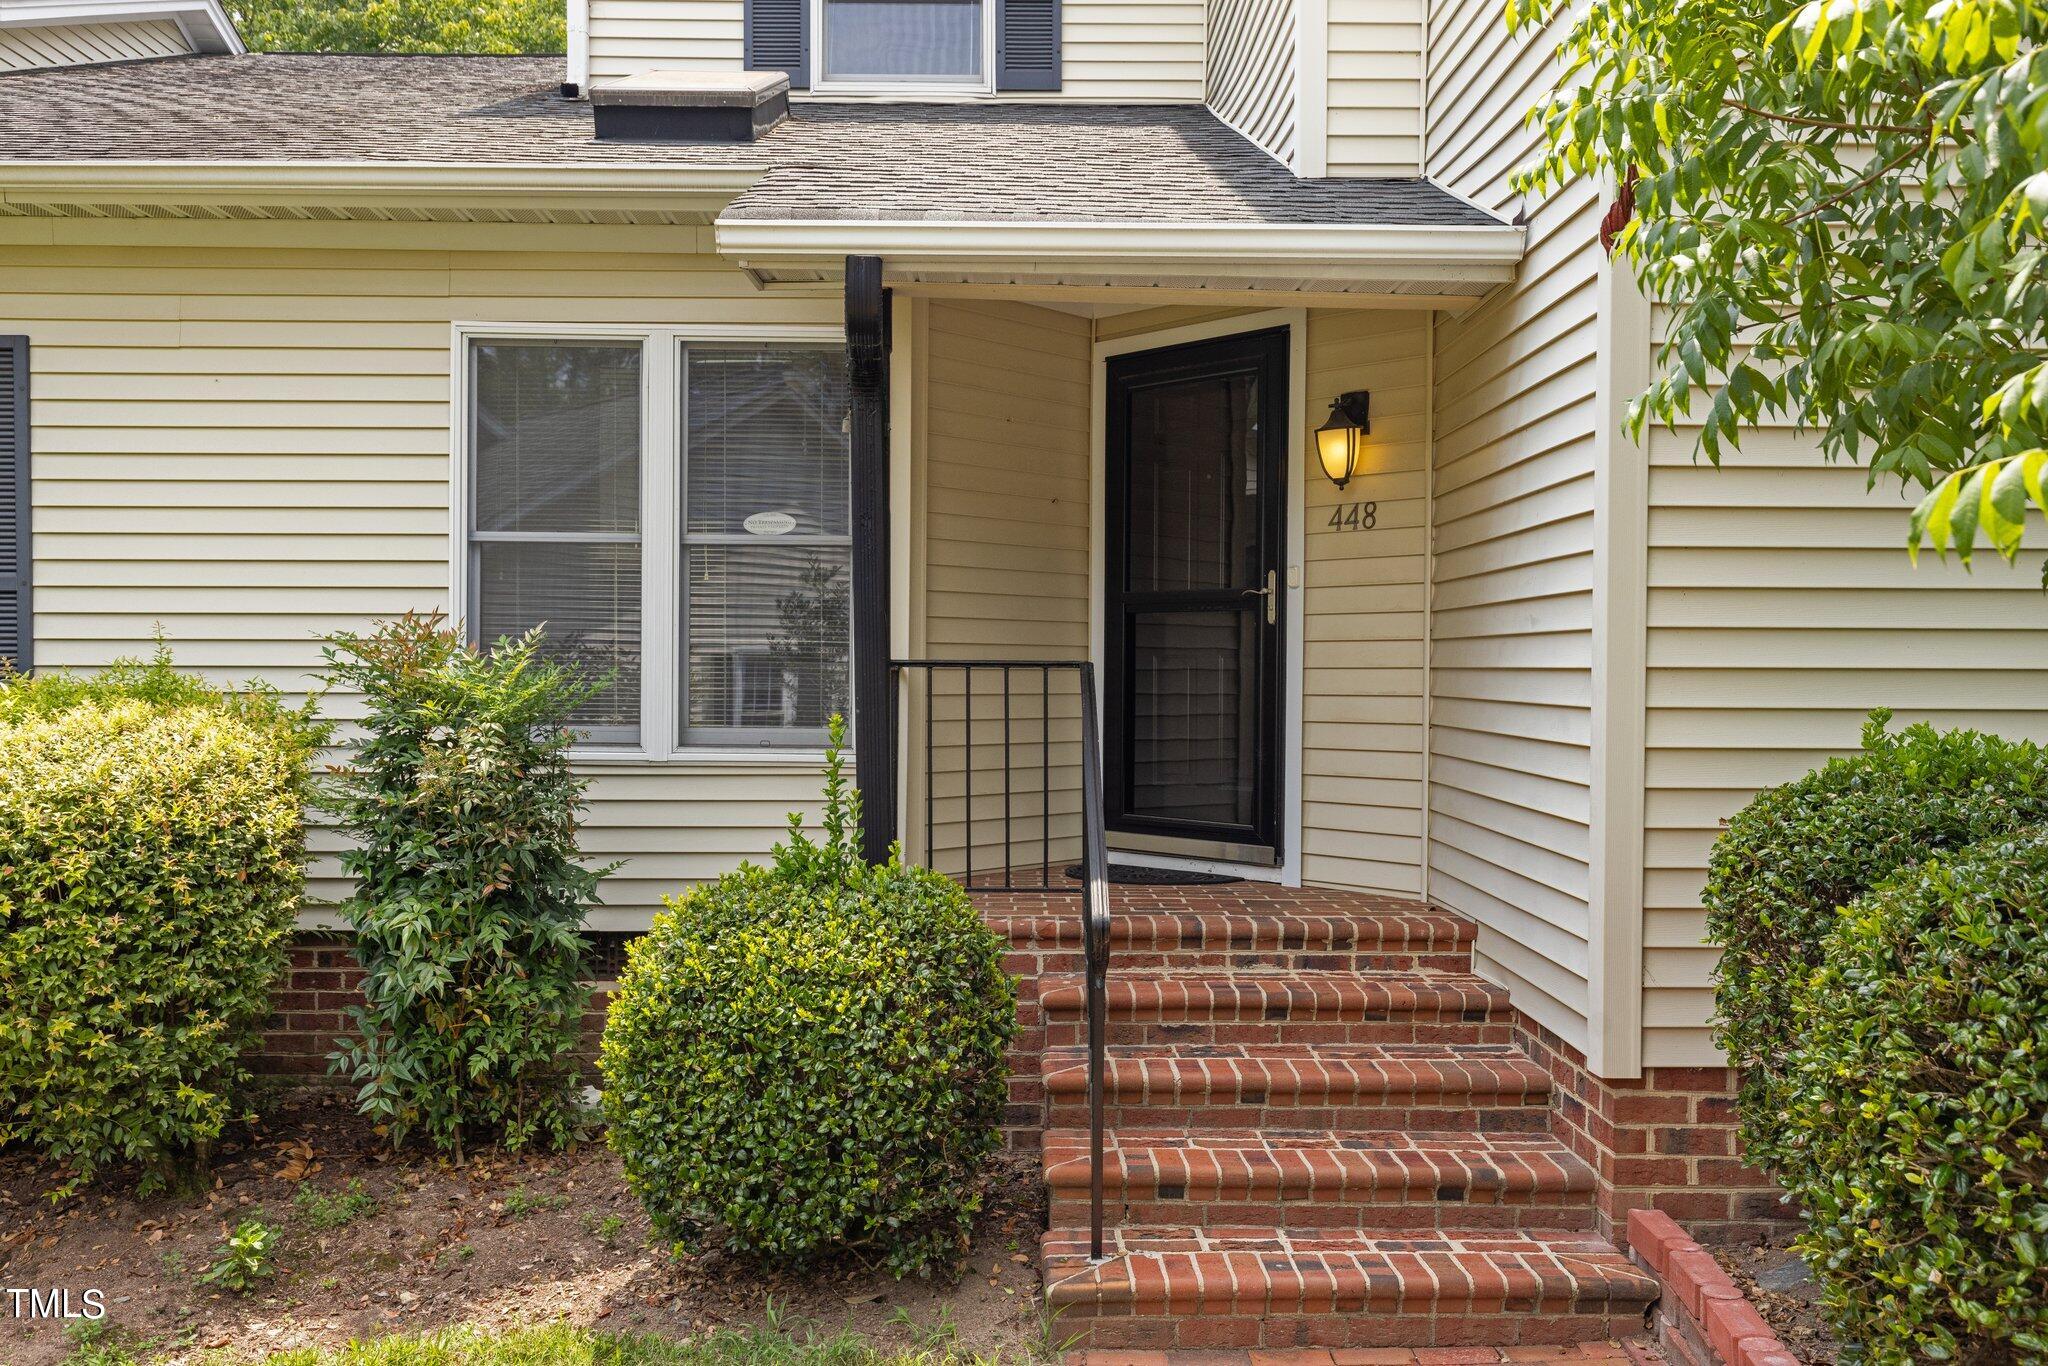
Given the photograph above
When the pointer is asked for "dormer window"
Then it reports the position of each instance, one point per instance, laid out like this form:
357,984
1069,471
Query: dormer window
910,45
906,47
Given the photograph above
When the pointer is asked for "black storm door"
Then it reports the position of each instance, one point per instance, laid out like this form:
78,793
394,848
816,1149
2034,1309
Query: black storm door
1193,581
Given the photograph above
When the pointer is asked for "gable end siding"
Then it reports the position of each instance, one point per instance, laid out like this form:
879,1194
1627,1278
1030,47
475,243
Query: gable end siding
48,45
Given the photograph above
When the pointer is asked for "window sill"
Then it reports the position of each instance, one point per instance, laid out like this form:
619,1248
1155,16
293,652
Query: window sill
599,760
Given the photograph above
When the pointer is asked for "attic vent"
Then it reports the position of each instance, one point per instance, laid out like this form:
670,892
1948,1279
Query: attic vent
690,106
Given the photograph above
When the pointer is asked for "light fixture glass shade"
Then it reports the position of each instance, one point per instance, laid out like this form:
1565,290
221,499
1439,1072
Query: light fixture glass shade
1337,447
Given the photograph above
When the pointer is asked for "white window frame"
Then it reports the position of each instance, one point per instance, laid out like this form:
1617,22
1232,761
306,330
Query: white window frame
822,85
661,552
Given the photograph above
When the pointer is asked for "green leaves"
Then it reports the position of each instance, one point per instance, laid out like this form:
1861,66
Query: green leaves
1927,1203
1881,1094
810,1057
1840,204
470,894
152,852
494,26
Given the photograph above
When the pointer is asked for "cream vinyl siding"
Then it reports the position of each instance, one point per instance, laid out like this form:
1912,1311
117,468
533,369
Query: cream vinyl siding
1374,119
23,49
1511,681
247,444
628,36
1000,570
1112,50
1253,72
1362,612
1782,608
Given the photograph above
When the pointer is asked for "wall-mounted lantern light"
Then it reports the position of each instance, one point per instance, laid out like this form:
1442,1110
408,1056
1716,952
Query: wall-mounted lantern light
1337,439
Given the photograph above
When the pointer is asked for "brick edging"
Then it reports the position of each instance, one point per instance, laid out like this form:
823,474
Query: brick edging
1701,1318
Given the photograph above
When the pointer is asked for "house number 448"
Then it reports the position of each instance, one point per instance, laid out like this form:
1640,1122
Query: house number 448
1354,517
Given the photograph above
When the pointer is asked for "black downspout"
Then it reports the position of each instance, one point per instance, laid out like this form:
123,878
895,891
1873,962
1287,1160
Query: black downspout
867,352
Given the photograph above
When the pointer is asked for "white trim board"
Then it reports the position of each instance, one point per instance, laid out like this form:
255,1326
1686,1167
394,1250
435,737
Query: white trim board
1295,320
204,23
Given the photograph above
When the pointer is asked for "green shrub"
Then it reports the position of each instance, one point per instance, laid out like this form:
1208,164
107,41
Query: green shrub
246,1258
1916,1109
469,894
810,1056
1797,853
151,862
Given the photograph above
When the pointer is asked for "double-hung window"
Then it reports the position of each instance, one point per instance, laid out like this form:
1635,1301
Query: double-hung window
671,511
939,45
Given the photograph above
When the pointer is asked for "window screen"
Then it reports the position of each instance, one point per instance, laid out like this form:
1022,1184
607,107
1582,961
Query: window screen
939,41
767,555
555,512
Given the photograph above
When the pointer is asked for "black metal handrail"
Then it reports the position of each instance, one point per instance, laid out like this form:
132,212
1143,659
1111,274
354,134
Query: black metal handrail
1094,882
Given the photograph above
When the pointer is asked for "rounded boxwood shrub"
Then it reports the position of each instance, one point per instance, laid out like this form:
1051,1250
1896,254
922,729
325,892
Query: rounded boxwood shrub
1916,1109
1798,853
151,862
809,1057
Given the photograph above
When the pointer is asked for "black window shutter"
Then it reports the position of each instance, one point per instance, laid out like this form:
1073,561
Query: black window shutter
1027,44
16,642
779,39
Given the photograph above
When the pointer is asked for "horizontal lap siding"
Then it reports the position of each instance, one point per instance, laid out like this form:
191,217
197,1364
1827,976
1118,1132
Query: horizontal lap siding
23,49
1252,71
1120,50
1363,619
1511,659
1782,608
249,447
1375,87
1003,569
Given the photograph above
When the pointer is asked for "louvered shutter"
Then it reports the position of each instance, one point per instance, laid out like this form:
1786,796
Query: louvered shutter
15,637
1027,44
779,39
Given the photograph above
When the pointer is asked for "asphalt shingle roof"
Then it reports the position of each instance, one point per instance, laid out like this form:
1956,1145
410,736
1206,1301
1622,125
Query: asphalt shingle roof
952,162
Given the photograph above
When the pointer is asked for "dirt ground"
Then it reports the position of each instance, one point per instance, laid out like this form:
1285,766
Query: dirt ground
1774,1279
503,1240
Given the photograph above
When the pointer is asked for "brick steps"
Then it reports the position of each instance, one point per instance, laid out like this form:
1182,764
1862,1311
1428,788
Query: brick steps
1272,933
1164,1287
1319,1134
1310,1179
1413,1087
1282,1006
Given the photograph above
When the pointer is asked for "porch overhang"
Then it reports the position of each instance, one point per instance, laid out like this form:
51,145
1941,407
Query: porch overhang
1321,265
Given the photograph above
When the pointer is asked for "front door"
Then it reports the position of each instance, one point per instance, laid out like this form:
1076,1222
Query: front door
1196,462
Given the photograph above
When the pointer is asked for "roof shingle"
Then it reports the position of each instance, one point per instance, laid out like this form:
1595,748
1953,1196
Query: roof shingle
985,162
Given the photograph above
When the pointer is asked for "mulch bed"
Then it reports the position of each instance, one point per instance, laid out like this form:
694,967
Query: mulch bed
1774,1278
502,1240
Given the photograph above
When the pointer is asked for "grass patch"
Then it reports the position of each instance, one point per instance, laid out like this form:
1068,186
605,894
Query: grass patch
338,1210
562,1345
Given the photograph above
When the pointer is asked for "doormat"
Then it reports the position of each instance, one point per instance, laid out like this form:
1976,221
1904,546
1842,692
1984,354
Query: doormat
1135,875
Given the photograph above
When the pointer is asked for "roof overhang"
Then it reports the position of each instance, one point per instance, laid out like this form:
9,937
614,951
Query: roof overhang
204,23
343,189
1440,266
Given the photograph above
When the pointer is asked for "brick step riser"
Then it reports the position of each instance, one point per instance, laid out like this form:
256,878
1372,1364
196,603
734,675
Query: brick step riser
1062,1030
1419,1212
1252,1326
1489,1116
1146,959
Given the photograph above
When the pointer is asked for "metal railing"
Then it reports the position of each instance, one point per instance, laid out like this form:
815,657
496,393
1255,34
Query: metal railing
1093,888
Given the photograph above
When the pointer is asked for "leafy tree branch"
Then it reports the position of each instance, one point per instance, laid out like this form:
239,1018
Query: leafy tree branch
1842,205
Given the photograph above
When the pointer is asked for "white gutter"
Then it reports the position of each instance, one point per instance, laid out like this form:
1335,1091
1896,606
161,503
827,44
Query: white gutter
1480,254
579,48
373,184
204,23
